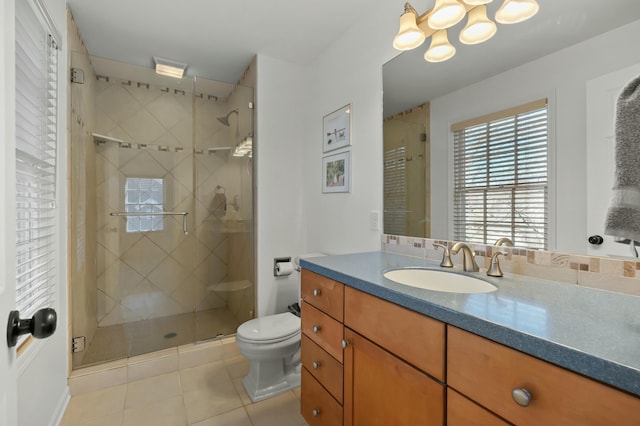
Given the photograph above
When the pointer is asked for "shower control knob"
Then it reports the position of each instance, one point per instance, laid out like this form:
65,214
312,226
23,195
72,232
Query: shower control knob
316,365
315,329
315,412
596,240
316,292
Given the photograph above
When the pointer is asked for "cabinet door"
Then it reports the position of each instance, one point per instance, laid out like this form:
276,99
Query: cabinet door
381,389
464,412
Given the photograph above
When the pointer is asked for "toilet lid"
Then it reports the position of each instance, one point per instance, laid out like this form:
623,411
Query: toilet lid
270,327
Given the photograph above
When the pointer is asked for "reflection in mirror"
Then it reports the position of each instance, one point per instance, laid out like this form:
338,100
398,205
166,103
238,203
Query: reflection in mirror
406,173
556,56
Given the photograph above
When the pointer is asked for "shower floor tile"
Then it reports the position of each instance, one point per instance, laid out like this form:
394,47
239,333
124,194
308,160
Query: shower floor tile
141,337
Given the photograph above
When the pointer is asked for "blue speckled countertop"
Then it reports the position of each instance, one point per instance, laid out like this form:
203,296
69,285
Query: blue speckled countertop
592,332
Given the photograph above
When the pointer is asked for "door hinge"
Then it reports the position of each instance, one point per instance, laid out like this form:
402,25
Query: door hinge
77,76
78,344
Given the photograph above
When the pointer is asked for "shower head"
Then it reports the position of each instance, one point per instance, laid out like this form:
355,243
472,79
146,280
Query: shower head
225,120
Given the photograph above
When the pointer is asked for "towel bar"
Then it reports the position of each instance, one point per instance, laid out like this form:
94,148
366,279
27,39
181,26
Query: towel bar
183,214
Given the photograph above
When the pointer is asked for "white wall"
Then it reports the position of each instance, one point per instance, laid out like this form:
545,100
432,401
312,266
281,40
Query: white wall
43,367
280,232
350,71
562,77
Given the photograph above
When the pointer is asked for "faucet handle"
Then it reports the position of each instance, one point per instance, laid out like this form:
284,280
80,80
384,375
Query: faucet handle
446,256
494,267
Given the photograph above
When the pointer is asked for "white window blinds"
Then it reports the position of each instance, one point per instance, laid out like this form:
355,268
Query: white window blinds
36,136
500,177
395,191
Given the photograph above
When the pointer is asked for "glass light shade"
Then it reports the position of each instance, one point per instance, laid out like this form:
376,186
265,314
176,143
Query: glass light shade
440,49
479,28
409,35
445,14
476,2
514,11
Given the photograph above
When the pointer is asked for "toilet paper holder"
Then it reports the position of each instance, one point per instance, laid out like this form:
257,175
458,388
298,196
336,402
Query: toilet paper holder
277,260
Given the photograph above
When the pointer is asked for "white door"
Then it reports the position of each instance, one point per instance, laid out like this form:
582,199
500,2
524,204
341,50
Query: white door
8,375
602,94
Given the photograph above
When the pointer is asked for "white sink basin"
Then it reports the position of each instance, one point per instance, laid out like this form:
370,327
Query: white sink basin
439,281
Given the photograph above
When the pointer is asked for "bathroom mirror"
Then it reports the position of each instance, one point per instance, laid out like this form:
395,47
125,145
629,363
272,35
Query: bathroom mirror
554,55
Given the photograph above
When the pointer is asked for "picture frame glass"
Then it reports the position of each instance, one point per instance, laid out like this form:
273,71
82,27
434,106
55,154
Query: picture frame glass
336,129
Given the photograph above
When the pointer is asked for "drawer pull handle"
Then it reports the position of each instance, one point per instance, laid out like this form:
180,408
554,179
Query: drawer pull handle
316,292
315,412
316,365
315,329
522,397
344,343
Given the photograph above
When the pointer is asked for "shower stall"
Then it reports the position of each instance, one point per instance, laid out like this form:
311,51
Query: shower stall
161,202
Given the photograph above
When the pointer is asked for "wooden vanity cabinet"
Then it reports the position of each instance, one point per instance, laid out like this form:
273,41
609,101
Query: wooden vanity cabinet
390,356
487,373
321,351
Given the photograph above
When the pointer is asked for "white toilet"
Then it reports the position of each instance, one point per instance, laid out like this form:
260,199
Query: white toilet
272,345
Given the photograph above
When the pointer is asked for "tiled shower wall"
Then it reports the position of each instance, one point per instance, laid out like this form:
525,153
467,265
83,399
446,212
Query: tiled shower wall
610,274
144,275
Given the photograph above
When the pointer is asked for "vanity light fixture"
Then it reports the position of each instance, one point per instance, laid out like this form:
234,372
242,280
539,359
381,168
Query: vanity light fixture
415,28
169,68
440,49
244,148
479,28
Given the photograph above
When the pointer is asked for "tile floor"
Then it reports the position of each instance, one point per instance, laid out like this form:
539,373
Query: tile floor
209,394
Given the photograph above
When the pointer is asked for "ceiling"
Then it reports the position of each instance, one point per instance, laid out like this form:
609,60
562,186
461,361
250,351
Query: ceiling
409,80
216,38
219,38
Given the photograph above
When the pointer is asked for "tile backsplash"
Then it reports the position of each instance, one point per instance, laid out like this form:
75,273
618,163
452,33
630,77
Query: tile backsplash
610,274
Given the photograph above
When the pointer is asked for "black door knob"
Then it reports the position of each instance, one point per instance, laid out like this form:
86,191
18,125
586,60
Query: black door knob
41,325
596,240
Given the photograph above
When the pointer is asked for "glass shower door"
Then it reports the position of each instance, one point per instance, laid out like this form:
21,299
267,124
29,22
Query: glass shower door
224,208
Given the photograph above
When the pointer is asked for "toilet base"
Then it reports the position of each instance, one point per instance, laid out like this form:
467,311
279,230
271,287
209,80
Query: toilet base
260,385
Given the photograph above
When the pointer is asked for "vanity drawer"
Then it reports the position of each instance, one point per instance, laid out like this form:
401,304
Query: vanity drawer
417,339
317,406
488,372
323,293
326,369
322,329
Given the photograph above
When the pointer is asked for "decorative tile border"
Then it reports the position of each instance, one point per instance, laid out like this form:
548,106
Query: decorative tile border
610,274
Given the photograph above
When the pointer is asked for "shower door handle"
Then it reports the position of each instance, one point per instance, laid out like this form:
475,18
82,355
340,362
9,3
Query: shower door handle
41,325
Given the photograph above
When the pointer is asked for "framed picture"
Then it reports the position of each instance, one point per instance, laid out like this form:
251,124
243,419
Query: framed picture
336,129
336,172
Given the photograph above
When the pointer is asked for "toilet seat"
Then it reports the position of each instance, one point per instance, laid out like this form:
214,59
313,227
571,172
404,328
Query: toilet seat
270,328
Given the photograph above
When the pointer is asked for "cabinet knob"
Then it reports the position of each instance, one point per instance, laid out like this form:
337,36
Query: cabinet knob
315,364
344,343
315,412
522,397
315,329
316,292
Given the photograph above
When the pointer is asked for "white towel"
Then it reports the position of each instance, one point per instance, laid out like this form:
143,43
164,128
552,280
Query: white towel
623,216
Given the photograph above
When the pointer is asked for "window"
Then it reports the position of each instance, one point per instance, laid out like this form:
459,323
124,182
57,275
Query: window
500,177
395,191
36,157
144,195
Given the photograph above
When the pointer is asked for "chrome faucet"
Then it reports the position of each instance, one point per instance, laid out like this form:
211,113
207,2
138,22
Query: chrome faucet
469,257
504,241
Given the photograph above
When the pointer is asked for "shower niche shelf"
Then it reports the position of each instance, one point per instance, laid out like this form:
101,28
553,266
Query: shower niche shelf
229,286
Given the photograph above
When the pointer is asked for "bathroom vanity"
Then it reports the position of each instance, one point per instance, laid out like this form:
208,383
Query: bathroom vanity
375,352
